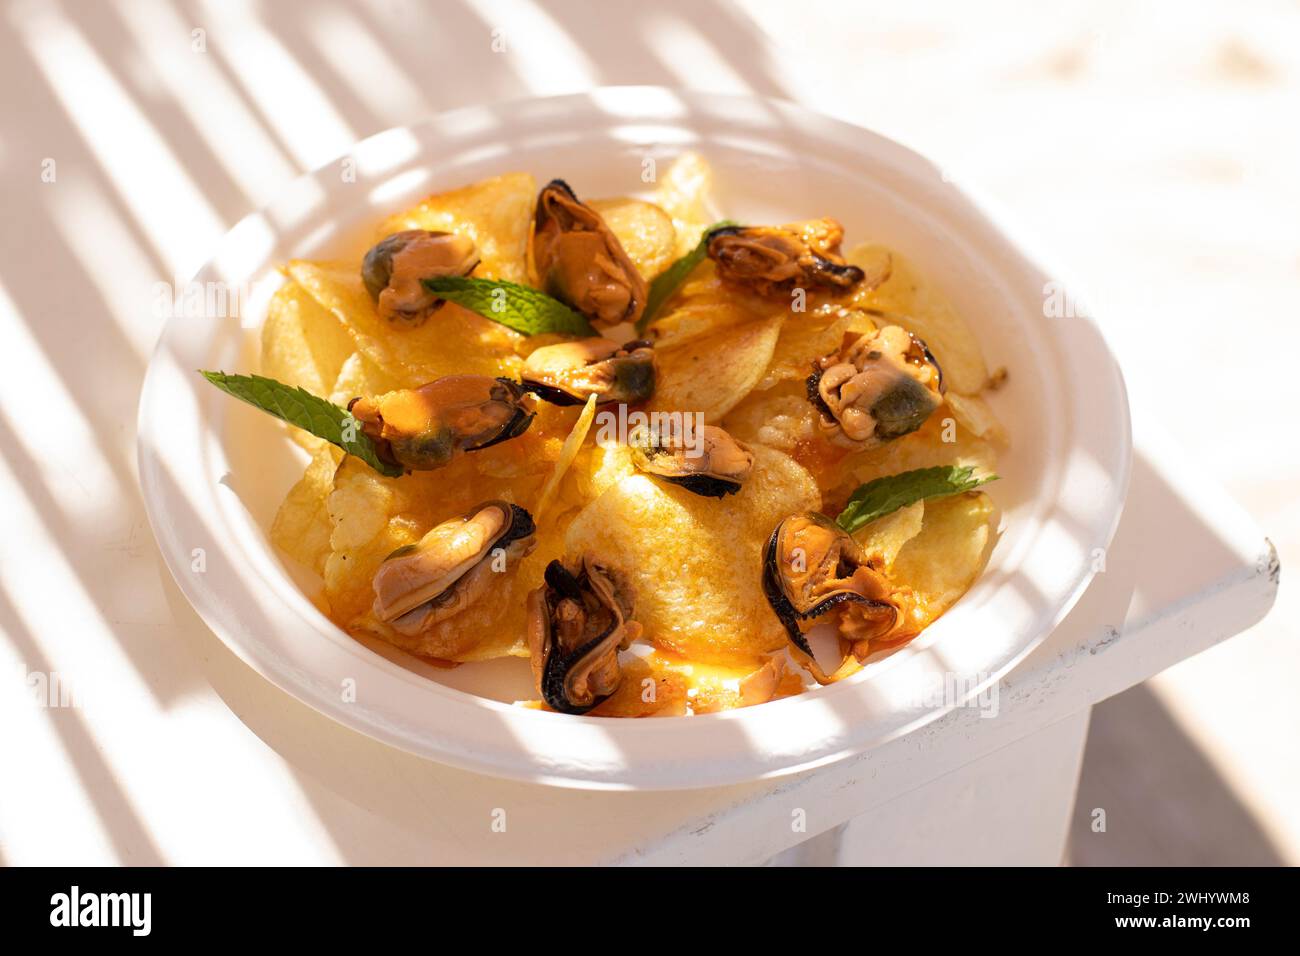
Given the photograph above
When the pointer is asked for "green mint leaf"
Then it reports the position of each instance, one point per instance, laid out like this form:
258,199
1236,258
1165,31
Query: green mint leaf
300,407
886,495
515,306
665,284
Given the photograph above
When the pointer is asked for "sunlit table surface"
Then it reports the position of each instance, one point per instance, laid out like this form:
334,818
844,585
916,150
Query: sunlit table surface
135,133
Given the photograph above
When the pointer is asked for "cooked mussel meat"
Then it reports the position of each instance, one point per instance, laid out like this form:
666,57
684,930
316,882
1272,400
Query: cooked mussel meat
578,621
395,266
813,568
425,428
580,261
877,387
777,259
451,567
567,373
706,461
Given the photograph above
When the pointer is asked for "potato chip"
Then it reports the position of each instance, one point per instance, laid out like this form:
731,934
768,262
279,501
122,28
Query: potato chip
360,504
704,304
568,451
973,414
496,213
694,564
596,468
876,263
885,537
363,510
360,376
921,308
643,229
943,561
302,343
685,193
712,373
302,528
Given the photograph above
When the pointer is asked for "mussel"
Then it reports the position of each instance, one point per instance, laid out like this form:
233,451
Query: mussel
567,373
877,387
812,568
425,428
395,266
777,259
451,567
578,621
708,462
580,261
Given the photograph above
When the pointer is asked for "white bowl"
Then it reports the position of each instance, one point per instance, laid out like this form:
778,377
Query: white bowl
213,471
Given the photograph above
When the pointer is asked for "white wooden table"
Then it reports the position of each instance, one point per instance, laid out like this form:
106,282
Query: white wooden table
168,749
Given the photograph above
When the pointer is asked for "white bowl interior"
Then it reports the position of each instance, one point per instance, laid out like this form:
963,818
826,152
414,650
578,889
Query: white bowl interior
1062,479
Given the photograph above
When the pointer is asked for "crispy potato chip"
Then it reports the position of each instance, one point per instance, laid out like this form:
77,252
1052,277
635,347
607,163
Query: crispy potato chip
685,193
973,414
302,528
361,502
452,341
496,213
364,509
302,343
921,308
694,564
885,537
877,265
596,468
360,376
645,231
693,318
568,452
704,304
943,561
712,373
